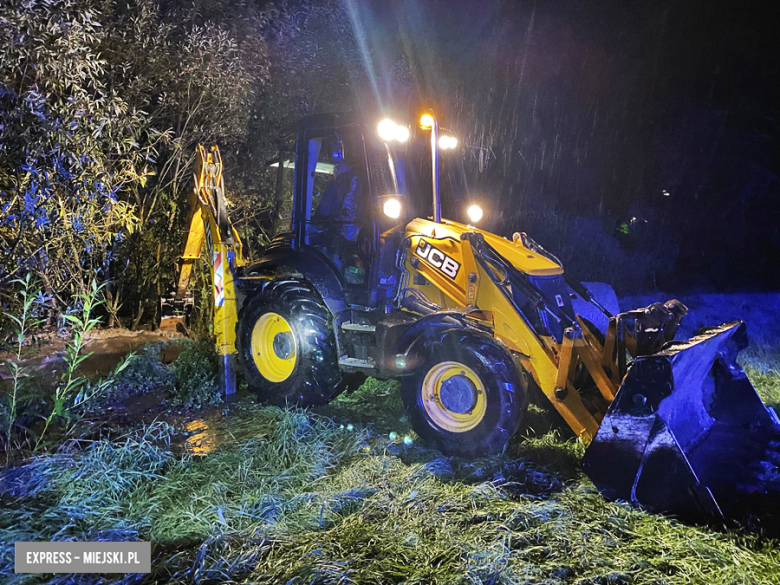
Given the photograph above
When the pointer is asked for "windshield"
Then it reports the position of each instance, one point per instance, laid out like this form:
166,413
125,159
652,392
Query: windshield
397,170
412,170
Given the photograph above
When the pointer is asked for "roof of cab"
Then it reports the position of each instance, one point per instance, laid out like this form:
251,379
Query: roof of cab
317,121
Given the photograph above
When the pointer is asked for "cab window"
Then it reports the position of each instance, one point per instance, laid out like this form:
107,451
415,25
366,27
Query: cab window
285,191
336,210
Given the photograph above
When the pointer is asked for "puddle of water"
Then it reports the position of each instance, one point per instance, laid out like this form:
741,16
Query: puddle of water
204,439
215,429
208,432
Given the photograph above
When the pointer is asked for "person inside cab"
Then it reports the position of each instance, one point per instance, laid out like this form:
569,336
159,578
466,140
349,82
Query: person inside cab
339,207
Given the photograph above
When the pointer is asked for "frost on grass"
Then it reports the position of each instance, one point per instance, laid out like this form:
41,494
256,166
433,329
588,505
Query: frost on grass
297,498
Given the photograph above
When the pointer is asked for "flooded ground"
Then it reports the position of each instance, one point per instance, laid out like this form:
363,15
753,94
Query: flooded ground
43,355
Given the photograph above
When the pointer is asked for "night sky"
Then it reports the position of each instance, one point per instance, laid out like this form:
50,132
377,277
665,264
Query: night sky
654,118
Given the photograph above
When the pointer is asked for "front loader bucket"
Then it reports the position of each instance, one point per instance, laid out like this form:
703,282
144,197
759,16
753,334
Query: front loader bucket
687,434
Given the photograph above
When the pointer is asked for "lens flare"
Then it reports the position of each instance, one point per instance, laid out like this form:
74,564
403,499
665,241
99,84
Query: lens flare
387,130
392,208
475,213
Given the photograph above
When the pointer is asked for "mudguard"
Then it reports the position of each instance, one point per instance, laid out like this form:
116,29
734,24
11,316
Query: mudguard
687,433
309,264
412,347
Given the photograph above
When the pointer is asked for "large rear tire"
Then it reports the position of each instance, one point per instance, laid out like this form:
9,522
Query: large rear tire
286,347
468,398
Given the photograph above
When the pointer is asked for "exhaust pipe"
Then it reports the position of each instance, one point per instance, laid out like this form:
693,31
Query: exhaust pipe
427,121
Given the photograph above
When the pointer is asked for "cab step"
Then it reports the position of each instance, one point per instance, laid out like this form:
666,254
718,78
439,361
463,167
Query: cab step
356,364
363,328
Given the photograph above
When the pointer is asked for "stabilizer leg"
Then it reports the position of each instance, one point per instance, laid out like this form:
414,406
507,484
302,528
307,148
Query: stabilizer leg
227,377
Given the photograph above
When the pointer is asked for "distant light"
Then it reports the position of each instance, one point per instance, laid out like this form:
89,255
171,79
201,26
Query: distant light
666,193
408,440
393,436
387,130
426,121
475,213
392,208
401,133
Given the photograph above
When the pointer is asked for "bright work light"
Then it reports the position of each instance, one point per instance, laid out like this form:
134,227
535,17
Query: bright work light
475,213
448,142
386,130
389,130
392,208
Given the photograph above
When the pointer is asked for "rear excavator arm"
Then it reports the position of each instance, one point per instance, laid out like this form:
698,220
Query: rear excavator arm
209,221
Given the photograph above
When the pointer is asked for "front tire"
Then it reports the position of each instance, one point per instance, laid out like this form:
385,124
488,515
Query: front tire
286,347
468,398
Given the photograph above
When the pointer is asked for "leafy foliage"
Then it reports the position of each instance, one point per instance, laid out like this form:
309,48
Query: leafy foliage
69,144
195,373
190,381
74,391
21,324
101,105
145,372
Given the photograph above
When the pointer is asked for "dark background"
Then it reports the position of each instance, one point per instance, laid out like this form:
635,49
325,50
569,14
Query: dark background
592,111
638,141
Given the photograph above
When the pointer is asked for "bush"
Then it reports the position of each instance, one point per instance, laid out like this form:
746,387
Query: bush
145,372
195,375
70,143
191,380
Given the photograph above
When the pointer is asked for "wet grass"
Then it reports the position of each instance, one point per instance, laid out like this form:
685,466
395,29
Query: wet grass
762,364
287,496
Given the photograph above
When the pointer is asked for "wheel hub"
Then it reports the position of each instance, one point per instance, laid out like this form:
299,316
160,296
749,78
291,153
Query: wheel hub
274,349
283,345
454,397
458,394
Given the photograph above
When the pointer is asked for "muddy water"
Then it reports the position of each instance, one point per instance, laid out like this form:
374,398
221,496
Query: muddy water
43,358
205,431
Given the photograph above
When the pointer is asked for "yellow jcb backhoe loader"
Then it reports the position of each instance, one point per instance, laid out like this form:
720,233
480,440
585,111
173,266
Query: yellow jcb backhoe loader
364,277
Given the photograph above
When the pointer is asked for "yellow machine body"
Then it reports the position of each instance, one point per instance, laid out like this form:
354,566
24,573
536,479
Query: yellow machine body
552,365
209,224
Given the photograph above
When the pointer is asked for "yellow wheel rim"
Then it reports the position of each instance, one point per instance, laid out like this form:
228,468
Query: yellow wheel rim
454,397
274,347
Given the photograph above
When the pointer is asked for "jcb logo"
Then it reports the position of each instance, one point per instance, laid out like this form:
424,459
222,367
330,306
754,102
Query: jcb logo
438,259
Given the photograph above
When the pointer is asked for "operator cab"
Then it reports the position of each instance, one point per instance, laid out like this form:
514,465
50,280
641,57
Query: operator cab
343,198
